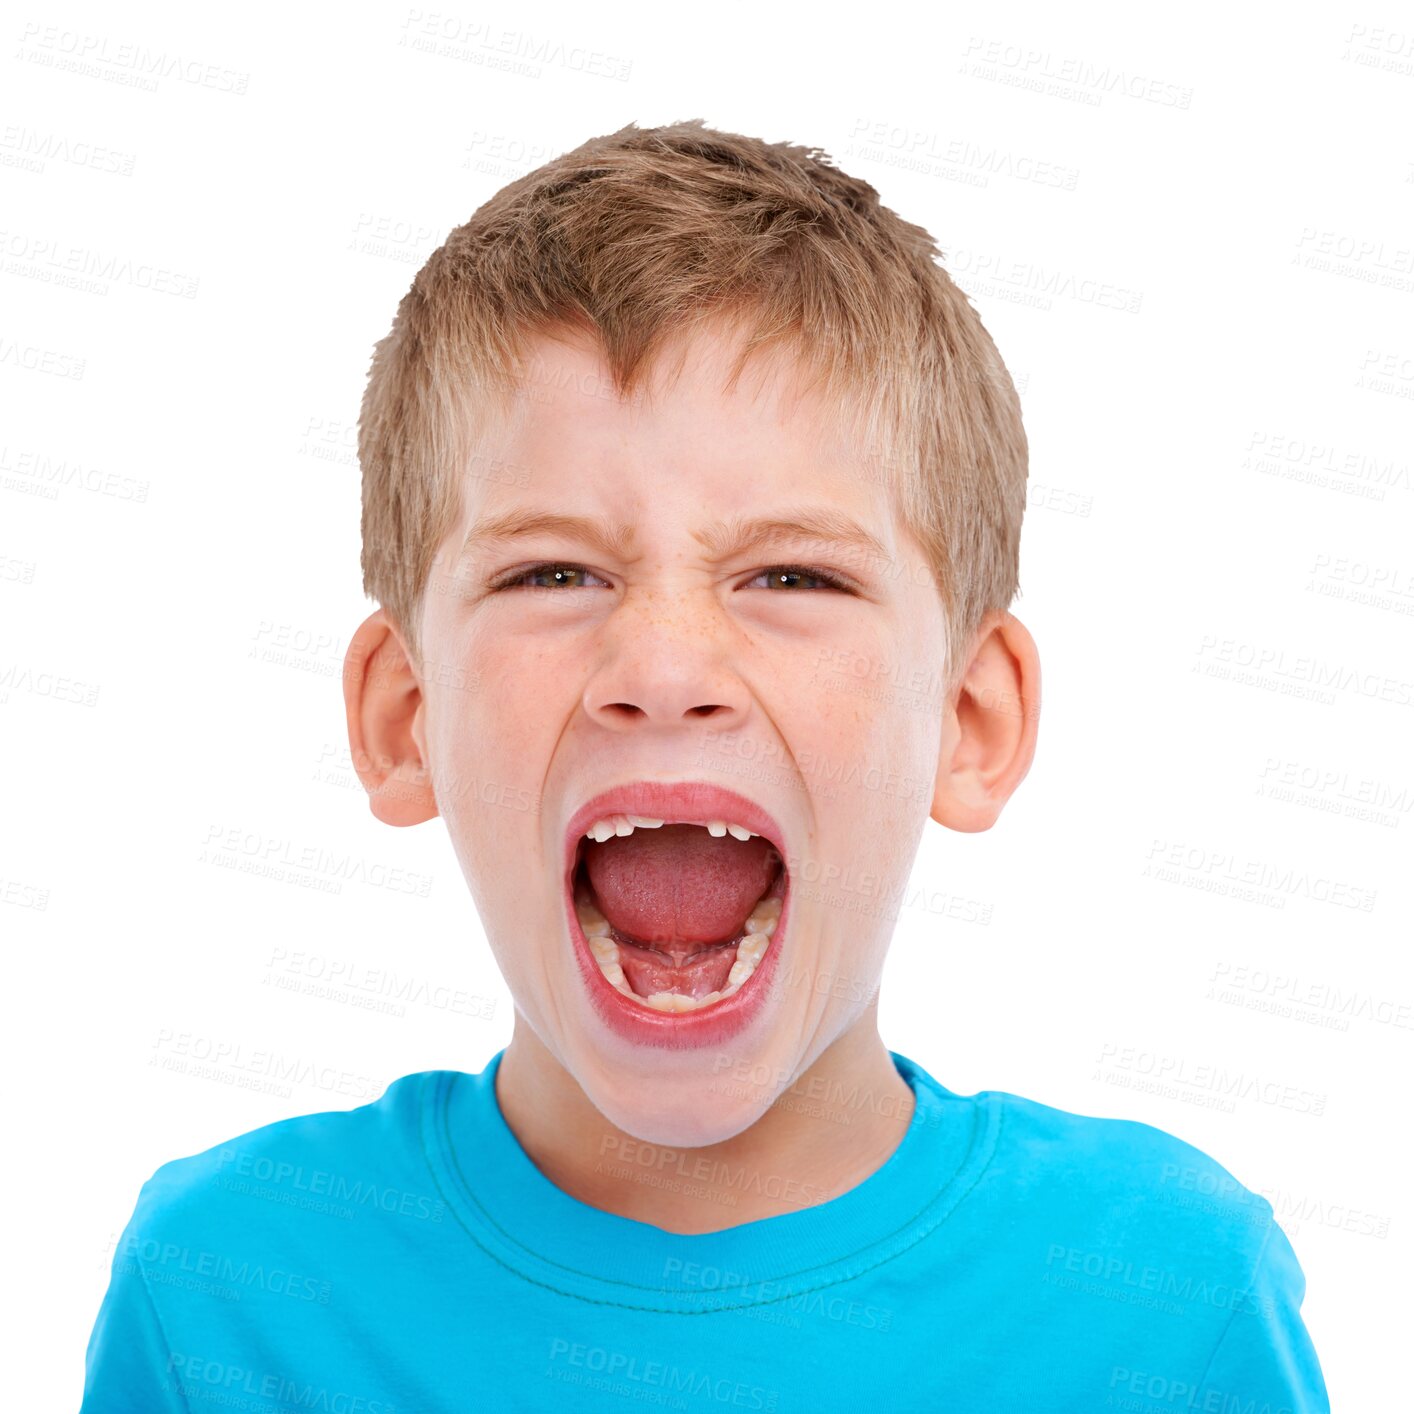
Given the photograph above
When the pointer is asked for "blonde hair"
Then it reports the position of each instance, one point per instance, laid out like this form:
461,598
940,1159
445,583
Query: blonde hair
645,233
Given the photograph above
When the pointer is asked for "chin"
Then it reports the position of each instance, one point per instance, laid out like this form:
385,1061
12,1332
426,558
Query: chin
682,1114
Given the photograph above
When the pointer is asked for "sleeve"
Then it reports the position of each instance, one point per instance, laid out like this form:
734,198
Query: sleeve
1265,1359
129,1367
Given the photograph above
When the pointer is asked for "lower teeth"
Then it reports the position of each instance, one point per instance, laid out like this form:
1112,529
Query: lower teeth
750,950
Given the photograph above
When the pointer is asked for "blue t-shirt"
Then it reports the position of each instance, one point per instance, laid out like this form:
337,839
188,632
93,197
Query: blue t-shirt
407,1257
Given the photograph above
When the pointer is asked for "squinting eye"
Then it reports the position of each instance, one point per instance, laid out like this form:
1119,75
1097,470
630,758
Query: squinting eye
780,577
562,574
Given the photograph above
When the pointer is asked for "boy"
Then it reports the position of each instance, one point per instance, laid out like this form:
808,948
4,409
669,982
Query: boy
693,491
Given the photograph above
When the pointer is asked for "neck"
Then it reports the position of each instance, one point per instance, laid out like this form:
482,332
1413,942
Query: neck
827,1145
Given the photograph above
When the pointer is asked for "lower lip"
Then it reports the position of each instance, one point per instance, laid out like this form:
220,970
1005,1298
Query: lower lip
676,1030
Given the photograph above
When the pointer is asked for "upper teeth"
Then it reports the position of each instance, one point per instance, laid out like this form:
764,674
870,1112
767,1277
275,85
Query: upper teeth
612,825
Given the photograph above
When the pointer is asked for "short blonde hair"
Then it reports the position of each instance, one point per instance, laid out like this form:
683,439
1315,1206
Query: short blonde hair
644,233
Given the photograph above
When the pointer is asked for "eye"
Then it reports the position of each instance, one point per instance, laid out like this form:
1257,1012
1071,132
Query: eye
788,576
562,577
777,577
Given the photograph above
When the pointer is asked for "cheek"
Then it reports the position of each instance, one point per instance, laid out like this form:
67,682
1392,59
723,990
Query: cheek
495,714
867,761
487,793
499,700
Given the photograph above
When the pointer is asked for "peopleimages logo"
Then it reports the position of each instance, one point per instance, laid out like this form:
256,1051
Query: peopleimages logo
171,1257
203,1378
736,1290
630,1369
334,1186
637,1154
1165,1283
1180,1394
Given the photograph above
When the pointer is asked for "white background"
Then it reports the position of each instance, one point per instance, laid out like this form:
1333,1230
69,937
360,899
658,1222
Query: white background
1217,566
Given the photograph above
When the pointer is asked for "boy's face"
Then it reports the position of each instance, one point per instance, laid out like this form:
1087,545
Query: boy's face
667,659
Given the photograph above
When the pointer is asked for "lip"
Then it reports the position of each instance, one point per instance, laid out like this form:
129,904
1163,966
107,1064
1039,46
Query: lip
674,802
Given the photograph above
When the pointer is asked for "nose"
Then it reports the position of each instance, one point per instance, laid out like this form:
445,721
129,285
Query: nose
665,662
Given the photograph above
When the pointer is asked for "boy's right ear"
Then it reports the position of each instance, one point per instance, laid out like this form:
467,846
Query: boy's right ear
384,705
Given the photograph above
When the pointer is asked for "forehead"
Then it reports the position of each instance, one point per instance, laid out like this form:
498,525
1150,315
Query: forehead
565,428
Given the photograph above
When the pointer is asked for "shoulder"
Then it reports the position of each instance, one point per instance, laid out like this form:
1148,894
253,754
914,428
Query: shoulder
1112,1192
1150,1224
1107,1151
1119,1216
335,1162
270,1219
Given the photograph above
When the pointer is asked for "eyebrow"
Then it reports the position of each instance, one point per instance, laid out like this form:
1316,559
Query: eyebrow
722,539
616,540
824,525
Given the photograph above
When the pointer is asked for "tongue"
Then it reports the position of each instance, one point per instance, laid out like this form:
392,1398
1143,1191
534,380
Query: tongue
678,883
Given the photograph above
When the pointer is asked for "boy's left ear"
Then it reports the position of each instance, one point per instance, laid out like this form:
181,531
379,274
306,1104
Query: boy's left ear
384,705
989,729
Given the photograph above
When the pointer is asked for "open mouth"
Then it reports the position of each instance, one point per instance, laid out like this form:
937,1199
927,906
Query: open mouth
678,916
